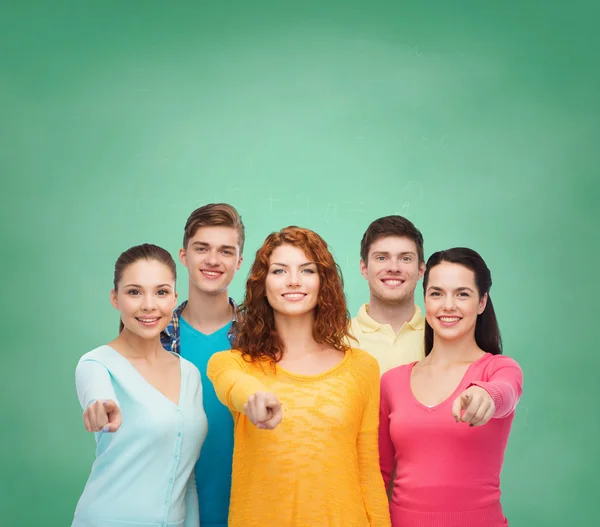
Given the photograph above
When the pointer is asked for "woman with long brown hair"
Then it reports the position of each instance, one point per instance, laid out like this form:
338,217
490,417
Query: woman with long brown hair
305,405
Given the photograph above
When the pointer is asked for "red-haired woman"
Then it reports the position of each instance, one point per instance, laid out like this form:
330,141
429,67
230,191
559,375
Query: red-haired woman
305,405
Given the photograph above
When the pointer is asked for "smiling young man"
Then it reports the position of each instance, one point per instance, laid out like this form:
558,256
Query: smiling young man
391,326
203,325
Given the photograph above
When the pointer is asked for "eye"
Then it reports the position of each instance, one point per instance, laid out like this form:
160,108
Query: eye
309,271
277,271
200,249
162,292
133,292
380,258
434,293
407,259
228,253
463,294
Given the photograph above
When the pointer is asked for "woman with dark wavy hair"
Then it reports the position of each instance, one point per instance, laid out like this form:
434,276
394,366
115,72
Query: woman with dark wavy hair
305,405
445,420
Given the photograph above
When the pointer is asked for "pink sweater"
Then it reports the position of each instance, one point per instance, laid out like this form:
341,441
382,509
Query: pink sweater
447,473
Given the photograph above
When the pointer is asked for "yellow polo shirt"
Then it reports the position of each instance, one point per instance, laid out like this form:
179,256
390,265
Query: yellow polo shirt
380,340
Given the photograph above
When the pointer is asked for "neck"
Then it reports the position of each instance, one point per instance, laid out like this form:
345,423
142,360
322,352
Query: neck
296,333
451,351
395,314
207,310
135,347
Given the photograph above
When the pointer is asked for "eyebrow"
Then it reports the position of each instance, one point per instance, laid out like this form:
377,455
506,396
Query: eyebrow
204,244
286,265
141,287
435,288
387,253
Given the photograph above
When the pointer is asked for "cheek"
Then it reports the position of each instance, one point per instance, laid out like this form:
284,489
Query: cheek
127,305
270,285
431,308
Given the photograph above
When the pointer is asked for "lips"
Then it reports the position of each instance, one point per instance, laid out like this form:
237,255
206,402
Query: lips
392,282
293,297
449,320
210,274
148,321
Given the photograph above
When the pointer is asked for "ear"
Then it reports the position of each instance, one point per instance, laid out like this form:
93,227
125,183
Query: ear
421,270
239,264
183,256
363,269
113,299
482,304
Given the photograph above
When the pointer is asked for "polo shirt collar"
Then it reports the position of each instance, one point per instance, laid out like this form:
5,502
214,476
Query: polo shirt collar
370,325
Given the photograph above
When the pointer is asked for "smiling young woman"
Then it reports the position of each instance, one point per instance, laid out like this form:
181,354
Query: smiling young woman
144,405
305,404
445,420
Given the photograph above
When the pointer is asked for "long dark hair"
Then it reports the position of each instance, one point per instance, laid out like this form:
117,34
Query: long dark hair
146,251
487,332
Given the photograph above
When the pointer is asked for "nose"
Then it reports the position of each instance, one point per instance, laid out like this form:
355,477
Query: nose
293,278
212,258
449,302
148,303
393,265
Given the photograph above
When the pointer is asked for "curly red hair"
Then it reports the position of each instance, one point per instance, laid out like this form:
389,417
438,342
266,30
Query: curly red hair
256,336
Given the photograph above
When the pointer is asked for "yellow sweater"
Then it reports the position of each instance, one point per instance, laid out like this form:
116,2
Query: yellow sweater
320,466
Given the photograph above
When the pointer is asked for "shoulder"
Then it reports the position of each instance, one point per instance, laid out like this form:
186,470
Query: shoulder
189,368
364,365
493,364
364,358
228,359
393,376
101,354
500,361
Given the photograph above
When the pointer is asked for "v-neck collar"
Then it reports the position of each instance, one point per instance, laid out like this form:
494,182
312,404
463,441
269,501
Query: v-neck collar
144,381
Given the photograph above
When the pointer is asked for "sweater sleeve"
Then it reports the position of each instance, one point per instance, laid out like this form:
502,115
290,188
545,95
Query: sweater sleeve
373,489
386,446
93,383
233,385
504,384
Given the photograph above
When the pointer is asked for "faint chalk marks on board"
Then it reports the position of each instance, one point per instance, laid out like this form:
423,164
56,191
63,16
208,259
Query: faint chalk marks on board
362,133
301,207
409,196
248,162
354,206
331,213
272,200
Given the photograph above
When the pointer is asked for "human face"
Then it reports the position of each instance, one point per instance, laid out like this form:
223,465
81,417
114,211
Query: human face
293,282
393,269
146,297
212,258
452,301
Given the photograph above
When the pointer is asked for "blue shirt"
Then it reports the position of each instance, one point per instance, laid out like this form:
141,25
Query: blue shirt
213,470
143,474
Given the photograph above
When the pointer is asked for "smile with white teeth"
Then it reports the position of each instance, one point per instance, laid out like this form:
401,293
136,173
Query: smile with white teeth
449,319
293,296
148,320
211,274
392,281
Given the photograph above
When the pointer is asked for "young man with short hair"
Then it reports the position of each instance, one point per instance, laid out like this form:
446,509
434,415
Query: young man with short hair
203,325
391,326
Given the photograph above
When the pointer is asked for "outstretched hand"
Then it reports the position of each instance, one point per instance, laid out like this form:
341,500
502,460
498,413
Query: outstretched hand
477,405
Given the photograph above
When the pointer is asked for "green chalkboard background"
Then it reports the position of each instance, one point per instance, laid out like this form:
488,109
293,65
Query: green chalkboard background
477,120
